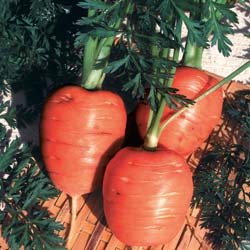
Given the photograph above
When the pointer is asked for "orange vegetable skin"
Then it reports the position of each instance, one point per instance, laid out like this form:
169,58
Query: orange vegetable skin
187,132
80,130
146,195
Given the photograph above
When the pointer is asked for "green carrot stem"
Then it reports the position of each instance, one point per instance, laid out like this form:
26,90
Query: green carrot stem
90,53
206,93
155,51
192,55
152,136
165,54
98,51
89,57
96,76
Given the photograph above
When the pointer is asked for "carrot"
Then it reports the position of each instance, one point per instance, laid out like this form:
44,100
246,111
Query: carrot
187,132
146,195
80,131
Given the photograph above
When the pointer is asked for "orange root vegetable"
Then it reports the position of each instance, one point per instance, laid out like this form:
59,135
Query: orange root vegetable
80,131
186,133
146,195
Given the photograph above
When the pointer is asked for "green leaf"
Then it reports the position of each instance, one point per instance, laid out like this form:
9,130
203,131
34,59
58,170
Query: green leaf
102,33
152,99
94,4
81,39
218,20
226,12
115,65
135,85
86,21
194,28
7,155
32,198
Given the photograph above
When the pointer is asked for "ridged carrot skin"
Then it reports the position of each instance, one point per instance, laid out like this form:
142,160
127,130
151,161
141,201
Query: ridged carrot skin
80,130
146,195
187,132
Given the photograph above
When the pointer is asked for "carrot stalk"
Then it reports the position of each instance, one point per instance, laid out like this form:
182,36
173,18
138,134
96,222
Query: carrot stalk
193,55
152,137
97,50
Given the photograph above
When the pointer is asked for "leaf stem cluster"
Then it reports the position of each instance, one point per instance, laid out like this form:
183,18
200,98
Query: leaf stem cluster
98,46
